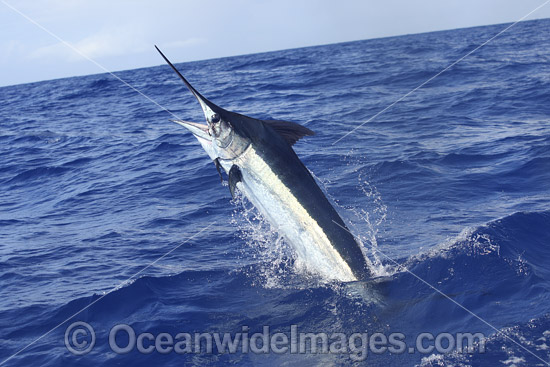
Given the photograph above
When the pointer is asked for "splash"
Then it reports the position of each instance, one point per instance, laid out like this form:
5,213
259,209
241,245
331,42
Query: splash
367,222
276,263
364,219
277,266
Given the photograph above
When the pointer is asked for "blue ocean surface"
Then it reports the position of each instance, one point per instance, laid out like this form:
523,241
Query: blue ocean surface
110,214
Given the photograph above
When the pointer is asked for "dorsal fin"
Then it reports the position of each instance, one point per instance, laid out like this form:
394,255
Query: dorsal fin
290,131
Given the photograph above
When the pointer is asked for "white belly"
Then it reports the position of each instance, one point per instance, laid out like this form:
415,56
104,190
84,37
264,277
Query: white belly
289,218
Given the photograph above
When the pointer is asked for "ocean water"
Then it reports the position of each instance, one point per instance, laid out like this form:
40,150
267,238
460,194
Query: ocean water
110,214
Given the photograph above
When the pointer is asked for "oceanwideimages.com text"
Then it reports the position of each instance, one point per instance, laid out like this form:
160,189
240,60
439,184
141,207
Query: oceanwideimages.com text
80,338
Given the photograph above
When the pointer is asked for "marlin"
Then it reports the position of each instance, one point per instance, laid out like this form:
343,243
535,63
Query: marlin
259,160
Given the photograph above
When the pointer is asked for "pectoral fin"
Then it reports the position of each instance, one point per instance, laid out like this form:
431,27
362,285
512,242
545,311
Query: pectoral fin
235,176
218,167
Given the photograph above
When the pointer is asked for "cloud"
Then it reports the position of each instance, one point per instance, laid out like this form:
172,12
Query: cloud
194,41
106,43
120,34
11,48
109,42
112,43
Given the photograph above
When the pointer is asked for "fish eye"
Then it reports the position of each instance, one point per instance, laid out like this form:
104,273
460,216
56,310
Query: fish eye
215,118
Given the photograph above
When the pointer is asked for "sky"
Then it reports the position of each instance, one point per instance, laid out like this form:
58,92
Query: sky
120,34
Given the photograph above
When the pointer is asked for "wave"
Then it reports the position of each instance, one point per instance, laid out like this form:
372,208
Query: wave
502,262
525,344
520,234
38,173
